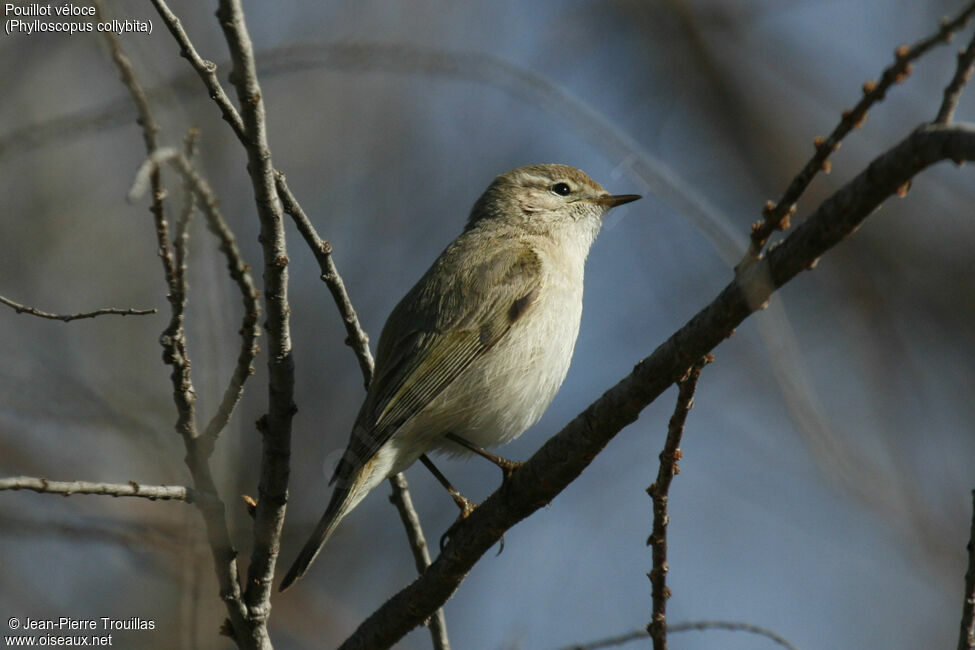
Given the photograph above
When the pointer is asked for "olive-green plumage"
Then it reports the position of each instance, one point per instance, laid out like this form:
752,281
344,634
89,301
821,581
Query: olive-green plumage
480,345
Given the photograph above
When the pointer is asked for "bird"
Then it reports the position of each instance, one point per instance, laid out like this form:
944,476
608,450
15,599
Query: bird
475,352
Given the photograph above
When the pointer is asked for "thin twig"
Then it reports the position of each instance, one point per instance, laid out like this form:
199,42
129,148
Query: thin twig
66,318
659,491
966,639
564,456
67,488
150,130
700,626
357,339
207,70
239,272
777,216
963,72
173,341
703,626
421,553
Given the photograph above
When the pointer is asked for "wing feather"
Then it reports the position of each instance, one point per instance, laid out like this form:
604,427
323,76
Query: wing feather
451,318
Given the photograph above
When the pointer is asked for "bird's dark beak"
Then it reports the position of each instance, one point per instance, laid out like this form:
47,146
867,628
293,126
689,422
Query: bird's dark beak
611,200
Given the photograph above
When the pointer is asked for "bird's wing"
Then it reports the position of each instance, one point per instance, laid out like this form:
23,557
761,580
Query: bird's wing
451,318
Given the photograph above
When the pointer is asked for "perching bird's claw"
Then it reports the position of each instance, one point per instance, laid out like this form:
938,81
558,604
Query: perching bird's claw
466,508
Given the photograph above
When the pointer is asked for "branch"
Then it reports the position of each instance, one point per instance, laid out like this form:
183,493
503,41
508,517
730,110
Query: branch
563,457
149,131
659,491
207,70
776,216
23,309
239,271
67,488
699,626
357,339
421,553
242,56
963,72
275,426
966,640
173,341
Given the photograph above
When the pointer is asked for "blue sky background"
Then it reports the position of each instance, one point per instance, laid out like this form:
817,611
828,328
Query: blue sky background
828,462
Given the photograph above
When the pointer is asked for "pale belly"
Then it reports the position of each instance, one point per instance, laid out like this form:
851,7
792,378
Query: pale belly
504,392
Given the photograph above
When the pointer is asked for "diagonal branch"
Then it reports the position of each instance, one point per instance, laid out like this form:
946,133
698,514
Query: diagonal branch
963,72
357,339
33,311
776,216
563,457
207,70
67,488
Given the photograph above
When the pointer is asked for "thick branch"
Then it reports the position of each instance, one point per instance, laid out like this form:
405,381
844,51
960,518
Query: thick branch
568,453
67,488
276,425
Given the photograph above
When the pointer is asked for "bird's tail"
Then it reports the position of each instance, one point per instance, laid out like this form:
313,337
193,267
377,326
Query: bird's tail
344,499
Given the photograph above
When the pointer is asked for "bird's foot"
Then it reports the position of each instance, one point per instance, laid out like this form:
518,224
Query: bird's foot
466,508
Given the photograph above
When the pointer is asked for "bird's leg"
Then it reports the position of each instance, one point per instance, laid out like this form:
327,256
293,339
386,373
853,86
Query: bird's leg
466,505
508,467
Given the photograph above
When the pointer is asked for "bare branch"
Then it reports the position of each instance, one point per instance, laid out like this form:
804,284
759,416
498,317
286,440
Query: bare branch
659,491
149,132
66,318
248,91
357,339
966,639
776,216
421,553
239,272
275,426
699,626
564,456
67,488
963,72
207,70
173,340
702,626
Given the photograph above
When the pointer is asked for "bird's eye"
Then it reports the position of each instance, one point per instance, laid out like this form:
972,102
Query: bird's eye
562,189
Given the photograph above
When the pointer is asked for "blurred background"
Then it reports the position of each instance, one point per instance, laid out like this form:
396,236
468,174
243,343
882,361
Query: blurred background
828,462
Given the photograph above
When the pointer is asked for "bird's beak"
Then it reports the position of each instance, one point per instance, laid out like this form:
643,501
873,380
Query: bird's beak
611,200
